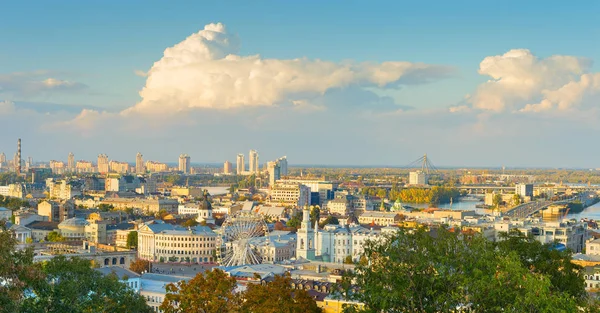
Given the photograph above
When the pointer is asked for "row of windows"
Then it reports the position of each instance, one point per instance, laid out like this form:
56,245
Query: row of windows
187,238
184,252
186,245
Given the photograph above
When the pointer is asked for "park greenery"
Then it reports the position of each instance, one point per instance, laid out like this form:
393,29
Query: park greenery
58,285
12,203
442,271
215,292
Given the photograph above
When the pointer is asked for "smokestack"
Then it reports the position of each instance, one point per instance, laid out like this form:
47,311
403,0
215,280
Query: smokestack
19,156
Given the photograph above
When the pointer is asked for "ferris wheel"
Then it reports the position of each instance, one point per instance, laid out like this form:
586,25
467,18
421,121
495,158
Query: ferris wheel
237,233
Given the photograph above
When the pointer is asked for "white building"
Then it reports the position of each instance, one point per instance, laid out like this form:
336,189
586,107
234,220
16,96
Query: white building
153,288
128,277
253,156
306,237
417,178
592,247
160,242
240,165
295,195
184,163
339,206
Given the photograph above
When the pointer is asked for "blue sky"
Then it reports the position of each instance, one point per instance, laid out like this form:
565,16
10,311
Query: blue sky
96,46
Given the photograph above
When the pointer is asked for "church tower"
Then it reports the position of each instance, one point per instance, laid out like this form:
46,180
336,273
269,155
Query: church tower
305,247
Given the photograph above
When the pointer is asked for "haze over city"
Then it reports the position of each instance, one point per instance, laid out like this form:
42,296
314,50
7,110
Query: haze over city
470,83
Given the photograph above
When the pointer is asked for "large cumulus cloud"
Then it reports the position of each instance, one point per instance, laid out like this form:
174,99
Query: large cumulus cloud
206,71
520,81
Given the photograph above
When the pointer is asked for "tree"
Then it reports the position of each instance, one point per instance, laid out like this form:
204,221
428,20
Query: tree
444,272
211,292
497,200
71,285
329,220
516,199
17,271
348,260
105,207
277,296
190,223
132,239
295,221
55,237
315,214
29,240
139,266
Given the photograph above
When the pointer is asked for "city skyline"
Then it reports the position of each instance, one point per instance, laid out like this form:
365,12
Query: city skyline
471,84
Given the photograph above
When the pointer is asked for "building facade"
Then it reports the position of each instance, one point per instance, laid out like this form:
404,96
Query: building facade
184,163
240,165
253,156
160,242
103,163
294,195
227,167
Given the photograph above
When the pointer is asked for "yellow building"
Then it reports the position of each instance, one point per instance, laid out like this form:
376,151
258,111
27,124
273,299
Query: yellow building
330,305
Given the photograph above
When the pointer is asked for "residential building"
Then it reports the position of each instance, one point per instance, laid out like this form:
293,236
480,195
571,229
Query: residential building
118,167
274,170
417,178
253,156
56,211
139,164
127,277
283,166
160,242
71,162
13,190
153,288
294,195
379,218
240,166
184,163
227,167
57,167
103,163
122,183
63,189
156,167
592,247
524,190
339,206
152,205
85,167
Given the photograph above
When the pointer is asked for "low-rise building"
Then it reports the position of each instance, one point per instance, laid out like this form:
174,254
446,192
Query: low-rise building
380,218
160,242
340,206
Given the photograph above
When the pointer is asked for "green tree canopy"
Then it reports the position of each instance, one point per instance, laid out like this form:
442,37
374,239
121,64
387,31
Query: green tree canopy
132,239
55,237
211,292
71,285
438,271
277,296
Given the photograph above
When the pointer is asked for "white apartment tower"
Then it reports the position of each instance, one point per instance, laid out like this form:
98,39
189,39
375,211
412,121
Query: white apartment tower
253,156
274,170
283,166
306,237
102,163
71,162
184,163
139,163
241,166
227,167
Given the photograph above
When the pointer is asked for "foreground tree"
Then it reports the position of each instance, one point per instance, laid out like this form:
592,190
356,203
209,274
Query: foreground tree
423,271
212,292
71,285
132,239
17,272
277,296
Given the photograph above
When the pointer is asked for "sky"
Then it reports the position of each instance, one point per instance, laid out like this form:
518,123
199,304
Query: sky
470,83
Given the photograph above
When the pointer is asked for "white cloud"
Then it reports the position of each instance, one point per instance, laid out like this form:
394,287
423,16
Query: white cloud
518,78
205,71
26,84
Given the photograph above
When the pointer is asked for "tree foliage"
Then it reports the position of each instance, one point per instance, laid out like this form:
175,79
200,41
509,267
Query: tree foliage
139,266
277,296
315,214
13,203
132,239
295,221
71,285
329,220
423,271
208,293
54,236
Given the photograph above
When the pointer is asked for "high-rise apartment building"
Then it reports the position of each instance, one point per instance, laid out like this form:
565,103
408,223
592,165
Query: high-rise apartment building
84,167
153,167
71,162
103,163
57,167
253,156
417,178
227,167
274,172
139,163
184,163
283,165
119,167
241,167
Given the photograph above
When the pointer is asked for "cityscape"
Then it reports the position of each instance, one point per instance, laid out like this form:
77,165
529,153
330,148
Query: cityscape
152,163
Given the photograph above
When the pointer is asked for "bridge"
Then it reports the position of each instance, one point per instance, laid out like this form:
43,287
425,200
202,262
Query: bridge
526,209
483,189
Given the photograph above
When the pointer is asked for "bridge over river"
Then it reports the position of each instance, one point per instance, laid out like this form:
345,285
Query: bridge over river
526,209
